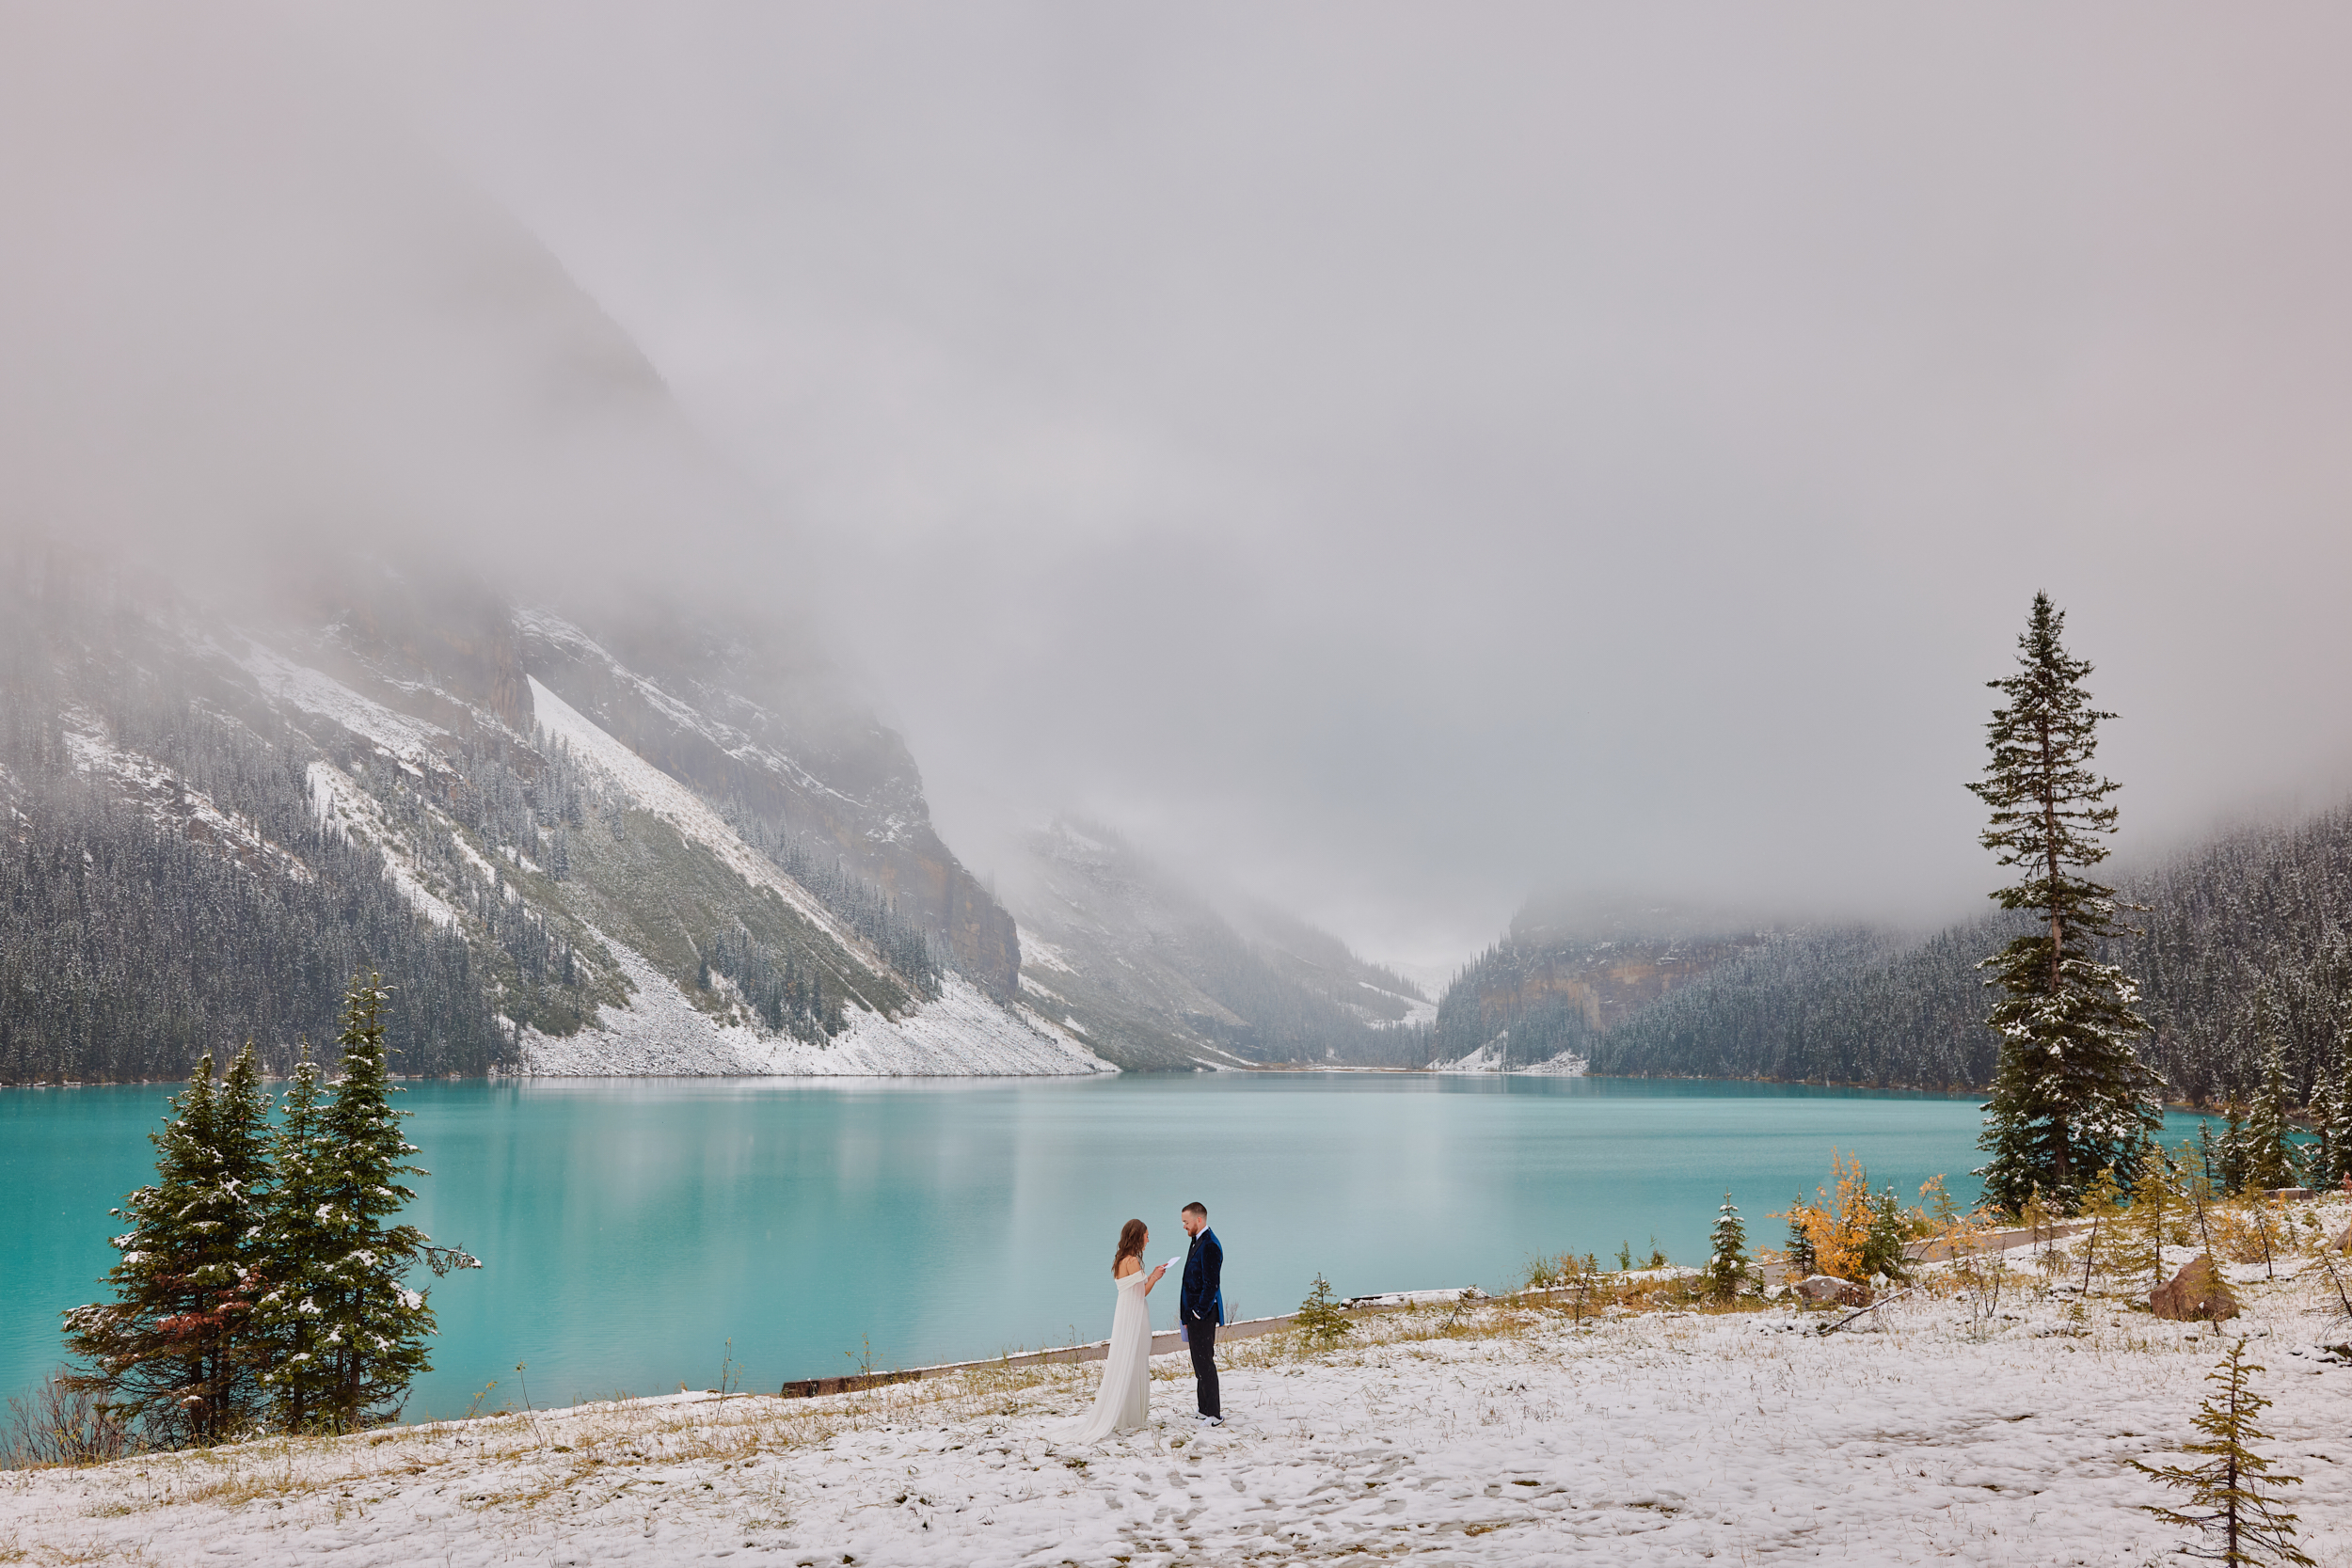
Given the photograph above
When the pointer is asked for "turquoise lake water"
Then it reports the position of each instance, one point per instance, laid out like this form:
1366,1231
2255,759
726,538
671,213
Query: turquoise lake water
630,1228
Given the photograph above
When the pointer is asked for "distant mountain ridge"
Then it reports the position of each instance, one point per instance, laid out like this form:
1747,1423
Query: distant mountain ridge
1152,975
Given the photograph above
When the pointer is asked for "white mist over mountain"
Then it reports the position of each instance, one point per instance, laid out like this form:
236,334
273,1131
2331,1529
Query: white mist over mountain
1387,461
248,317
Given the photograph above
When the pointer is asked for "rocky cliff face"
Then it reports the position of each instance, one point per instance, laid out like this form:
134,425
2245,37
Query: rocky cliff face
1561,978
1603,983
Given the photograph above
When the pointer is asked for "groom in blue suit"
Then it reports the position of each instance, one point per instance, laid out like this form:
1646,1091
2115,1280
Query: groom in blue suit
1201,1307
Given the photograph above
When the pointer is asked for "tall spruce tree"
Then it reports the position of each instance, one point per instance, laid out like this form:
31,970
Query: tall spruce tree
351,1329
298,1242
173,1354
2070,1095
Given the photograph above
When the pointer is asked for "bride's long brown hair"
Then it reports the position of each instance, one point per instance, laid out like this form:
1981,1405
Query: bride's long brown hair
1131,1239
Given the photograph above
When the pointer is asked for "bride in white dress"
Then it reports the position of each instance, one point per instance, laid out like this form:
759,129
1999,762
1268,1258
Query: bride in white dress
1124,1400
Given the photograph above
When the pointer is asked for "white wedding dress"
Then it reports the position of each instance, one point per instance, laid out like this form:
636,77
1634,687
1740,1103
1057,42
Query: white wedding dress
1124,1400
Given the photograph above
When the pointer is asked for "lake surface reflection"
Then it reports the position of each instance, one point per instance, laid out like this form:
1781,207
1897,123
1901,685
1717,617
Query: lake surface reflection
631,1229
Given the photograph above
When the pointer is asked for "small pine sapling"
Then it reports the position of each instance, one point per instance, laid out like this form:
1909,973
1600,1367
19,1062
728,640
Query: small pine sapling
2102,1205
1321,1324
1884,1244
2151,1218
2239,1508
2041,1224
1801,1259
1580,1275
2216,1281
1727,1273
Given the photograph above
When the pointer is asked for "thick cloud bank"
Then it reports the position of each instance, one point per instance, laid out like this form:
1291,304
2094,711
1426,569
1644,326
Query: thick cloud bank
1388,459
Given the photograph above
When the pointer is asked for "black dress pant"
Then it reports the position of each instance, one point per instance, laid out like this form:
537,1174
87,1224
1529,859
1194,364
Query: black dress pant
1201,1338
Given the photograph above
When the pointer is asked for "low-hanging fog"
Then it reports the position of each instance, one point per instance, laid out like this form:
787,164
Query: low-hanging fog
1387,459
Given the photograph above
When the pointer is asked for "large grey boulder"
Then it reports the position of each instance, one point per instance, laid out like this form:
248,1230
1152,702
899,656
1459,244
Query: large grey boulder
2196,1295
1828,1290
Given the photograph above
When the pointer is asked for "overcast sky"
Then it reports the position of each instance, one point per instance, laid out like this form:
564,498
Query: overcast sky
1392,459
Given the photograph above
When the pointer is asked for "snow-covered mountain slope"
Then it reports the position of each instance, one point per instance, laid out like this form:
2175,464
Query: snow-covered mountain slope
542,895
1150,973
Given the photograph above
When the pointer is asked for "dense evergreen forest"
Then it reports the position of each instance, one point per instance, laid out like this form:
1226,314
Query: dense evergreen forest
2241,941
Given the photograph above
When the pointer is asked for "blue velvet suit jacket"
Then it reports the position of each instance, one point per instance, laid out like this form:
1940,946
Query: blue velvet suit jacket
1203,1298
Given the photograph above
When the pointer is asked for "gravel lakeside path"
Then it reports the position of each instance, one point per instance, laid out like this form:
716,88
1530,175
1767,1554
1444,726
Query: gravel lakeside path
1935,1430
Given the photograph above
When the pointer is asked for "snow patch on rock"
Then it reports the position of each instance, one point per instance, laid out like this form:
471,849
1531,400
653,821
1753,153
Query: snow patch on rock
411,740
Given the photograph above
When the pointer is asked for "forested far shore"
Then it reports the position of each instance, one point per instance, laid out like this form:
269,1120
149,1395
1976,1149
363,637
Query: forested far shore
2240,943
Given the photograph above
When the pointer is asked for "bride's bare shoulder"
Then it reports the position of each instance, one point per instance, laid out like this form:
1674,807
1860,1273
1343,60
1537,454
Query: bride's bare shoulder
1126,1267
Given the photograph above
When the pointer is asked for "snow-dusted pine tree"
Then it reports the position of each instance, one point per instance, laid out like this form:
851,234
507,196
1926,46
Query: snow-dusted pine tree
2070,1094
2269,1153
2238,1506
2328,1160
1727,1274
2229,1158
173,1354
348,1330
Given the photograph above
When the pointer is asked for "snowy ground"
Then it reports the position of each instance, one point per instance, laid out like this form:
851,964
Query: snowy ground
1489,1058
1490,1434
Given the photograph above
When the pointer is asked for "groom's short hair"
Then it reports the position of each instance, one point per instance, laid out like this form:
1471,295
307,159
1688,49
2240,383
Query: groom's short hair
1199,1209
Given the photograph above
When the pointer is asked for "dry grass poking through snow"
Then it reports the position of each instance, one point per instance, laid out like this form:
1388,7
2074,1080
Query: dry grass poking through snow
1942,1428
